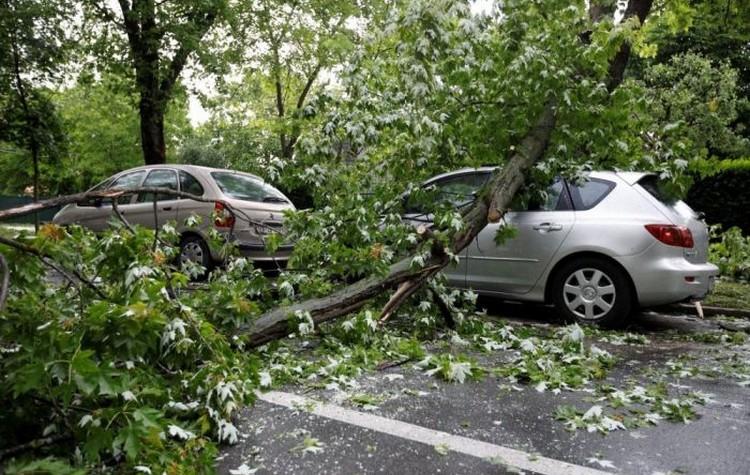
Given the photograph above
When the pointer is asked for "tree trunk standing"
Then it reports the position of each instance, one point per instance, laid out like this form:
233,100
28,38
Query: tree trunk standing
638,9
152,135
155,76
31,120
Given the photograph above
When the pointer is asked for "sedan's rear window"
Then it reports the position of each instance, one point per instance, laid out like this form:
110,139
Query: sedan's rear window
246,188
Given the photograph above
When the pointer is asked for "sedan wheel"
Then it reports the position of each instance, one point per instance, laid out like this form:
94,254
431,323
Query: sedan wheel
592,290
194,249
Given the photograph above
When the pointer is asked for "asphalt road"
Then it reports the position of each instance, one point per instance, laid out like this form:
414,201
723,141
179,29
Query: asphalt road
424,425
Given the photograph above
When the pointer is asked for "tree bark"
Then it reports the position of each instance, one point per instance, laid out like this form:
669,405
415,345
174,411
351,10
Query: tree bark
32,122
152,131
638,9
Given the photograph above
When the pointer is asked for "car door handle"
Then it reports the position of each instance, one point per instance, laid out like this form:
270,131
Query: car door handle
167,208
548,227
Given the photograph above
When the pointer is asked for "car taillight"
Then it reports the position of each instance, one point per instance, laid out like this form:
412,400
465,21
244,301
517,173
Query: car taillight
223,218
671,235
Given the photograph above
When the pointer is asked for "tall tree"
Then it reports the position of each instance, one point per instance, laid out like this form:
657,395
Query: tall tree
156,40
280,50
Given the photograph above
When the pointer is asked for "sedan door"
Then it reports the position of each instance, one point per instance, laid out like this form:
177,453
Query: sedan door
515,265
97,214
142,210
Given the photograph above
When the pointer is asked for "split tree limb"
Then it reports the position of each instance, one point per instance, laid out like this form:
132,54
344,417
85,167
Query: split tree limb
502,187
490,207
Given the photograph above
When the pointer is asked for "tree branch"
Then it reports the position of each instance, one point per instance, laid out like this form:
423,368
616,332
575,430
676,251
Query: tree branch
114,194
108,15
502,186
49,262
201,22
638,9
31,445
308,85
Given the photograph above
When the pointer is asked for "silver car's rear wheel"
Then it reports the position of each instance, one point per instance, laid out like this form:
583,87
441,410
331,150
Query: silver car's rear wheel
592,290
589,294
192,252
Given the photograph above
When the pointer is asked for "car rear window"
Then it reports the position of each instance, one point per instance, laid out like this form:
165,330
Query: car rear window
247,188
590,193
659,189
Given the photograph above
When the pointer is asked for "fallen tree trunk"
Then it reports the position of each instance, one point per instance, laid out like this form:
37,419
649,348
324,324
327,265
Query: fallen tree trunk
490,207
491,204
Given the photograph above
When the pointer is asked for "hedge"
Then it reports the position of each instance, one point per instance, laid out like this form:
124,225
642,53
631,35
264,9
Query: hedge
723,194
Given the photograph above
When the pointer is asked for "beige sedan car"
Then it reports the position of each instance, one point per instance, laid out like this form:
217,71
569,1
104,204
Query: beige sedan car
258,206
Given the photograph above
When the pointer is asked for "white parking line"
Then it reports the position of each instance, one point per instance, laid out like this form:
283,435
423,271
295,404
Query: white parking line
456,443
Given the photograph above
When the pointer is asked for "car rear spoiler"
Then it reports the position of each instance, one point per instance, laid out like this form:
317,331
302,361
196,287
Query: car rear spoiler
632,177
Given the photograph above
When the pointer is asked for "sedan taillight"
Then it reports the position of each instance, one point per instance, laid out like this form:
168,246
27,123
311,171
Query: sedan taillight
671,235
223,218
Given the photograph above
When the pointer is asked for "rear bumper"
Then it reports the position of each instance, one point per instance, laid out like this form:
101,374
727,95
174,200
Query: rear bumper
669,279
257,252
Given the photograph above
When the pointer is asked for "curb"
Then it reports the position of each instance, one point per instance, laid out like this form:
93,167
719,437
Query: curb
712,311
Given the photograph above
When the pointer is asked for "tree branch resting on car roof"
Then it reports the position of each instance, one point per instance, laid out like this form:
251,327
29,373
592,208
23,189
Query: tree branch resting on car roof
114,193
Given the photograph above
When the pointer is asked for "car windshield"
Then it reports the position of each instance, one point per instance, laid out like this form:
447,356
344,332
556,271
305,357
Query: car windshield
247,188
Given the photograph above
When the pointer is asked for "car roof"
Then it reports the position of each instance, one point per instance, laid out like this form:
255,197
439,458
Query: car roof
197,169
461,171
630,178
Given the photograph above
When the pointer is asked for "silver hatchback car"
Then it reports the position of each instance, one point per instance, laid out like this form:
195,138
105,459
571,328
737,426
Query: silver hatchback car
596,250
262,205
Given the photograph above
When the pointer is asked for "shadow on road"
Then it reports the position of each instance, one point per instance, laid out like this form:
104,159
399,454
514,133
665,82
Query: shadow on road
651,321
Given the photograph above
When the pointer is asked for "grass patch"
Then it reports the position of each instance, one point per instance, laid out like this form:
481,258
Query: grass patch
730,295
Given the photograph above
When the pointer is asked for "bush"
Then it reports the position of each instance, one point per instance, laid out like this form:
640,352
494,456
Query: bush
125,375
731,252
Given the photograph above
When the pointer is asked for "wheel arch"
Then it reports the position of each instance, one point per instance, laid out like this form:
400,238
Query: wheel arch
590,254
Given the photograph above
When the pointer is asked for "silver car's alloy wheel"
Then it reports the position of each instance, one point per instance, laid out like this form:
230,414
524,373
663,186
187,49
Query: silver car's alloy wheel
589,293
192,252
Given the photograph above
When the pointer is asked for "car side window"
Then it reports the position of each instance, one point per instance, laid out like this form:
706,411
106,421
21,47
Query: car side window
554,198
159,179
589,193
189,184
126,182
93,201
